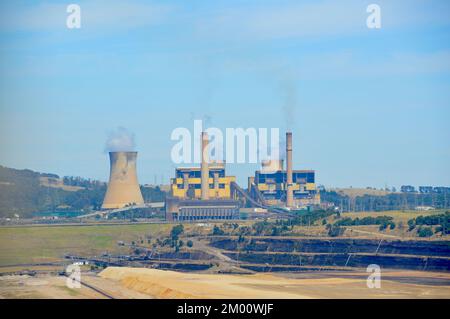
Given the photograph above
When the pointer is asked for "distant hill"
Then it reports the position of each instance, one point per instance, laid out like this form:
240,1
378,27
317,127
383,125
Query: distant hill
58,183
24,192
354,192
359,199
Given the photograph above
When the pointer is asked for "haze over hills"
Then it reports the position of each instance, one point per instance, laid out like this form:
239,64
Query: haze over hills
24,192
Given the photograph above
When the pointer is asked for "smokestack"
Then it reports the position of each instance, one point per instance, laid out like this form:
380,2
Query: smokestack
204,166
123,186
289,186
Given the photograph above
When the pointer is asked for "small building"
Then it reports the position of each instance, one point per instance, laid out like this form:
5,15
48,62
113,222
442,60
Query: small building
192,210
441,190
424,208
425,189
407,189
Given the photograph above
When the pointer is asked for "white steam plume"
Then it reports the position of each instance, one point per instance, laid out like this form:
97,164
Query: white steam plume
120,140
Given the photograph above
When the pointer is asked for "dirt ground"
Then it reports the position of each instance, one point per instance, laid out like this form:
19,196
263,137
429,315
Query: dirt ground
169,284
54,287
141,283
37,287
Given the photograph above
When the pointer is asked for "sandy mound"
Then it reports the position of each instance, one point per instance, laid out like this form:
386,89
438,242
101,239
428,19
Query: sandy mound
170,284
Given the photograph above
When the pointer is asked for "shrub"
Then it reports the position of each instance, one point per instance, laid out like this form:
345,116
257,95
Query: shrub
261,227
276,231
217,231
335,231
411,224
425,232
379,220
441,220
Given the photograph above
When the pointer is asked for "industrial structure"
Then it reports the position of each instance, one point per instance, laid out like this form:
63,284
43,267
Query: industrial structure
205,192
123,187
274,186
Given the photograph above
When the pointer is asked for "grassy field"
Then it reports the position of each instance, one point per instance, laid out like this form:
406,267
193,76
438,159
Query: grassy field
354,192
21,245
400,218
398,215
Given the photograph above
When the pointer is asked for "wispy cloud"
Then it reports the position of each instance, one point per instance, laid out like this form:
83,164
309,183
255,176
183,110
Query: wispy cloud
282,20
319,18
345,64
260,20
95,15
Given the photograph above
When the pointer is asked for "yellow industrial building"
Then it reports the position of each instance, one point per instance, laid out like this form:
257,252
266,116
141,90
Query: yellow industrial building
202,193
187,182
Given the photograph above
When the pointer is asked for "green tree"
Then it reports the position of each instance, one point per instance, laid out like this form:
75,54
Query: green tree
176,232
411,224
335,231
383,226
276,231
425,232
217,231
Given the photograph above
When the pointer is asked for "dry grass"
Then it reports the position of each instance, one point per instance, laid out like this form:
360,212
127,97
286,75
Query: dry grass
354,192
400,218
22,245
398,215
58,183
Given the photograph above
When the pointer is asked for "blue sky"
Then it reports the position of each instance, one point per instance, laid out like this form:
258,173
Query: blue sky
368,107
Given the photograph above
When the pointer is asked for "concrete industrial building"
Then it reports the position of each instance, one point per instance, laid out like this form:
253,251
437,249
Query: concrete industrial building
274,186
123,187
205,192
199,193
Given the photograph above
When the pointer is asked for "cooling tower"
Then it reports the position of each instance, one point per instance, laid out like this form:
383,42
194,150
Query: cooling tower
205,167
123,187
289,190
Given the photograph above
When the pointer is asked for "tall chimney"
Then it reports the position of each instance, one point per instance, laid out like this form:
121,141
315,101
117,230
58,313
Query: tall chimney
123,187
205,166
289,186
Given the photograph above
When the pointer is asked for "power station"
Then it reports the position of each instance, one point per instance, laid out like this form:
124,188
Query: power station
206,192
